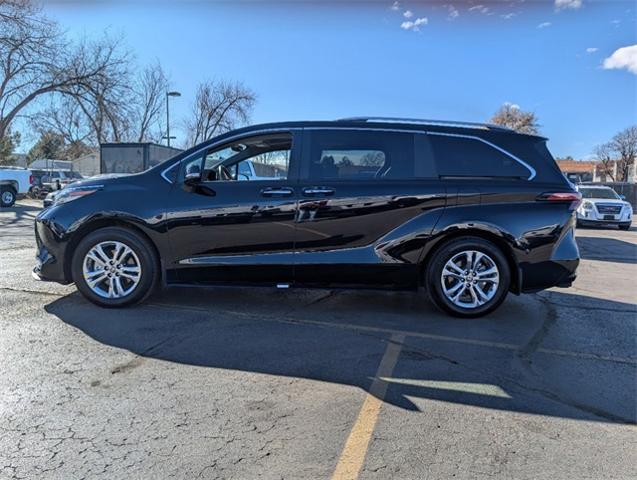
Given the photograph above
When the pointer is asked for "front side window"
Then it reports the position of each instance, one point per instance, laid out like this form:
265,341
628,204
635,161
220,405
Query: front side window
264,157
458,156
360,155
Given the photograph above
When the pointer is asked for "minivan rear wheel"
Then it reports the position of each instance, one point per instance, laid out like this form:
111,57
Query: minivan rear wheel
468,277
114,267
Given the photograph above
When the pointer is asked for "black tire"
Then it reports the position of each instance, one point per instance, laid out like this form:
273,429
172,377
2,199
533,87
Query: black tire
144,251
446,252
625,226
8,196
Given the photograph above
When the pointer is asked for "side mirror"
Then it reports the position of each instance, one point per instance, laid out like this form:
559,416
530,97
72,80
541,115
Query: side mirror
192,178
622,197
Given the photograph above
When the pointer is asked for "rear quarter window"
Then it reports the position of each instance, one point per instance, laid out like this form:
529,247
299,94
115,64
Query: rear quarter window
458,156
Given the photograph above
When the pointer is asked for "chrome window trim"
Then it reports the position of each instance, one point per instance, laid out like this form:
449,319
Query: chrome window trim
531,170
163,173
230,139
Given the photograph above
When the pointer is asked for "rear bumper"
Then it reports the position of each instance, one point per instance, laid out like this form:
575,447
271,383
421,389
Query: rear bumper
559,270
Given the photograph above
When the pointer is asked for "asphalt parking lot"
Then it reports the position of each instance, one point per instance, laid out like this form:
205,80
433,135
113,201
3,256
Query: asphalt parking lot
261,383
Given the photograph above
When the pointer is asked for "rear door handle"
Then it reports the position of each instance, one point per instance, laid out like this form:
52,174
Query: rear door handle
318,191
277,192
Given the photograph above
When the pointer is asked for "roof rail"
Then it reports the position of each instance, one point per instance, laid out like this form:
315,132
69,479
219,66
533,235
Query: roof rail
421,121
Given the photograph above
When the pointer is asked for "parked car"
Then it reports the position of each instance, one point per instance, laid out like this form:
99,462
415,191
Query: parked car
469,211
58,179
602,206
14,181
49,199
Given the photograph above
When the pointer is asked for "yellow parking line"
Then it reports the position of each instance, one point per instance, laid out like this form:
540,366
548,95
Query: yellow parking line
353,454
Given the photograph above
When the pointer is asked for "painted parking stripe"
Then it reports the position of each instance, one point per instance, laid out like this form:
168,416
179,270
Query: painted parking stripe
353,455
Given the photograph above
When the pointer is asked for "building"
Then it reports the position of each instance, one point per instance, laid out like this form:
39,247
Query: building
133,157
51,164
88,165
582,171
577,171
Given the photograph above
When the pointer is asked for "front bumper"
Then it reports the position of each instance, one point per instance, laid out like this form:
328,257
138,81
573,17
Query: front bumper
593,217
49,257
602,223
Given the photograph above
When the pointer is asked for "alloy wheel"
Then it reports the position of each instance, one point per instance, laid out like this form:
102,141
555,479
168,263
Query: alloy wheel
470,279
111,269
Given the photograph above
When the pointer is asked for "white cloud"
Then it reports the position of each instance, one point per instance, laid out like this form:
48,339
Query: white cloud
408,14
591,49
415,25
572,4
544,25
453,12
508,16
395,6
479,8
625,57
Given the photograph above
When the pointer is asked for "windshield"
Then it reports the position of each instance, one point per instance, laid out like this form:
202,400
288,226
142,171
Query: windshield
599,193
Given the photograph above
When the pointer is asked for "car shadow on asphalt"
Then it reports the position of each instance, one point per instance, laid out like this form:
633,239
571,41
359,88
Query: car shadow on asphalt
607,249
497,362
22,212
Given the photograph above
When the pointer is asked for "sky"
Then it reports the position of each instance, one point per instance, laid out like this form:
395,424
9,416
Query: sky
569,61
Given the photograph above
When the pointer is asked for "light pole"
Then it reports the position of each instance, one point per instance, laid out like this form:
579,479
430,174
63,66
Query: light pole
169,94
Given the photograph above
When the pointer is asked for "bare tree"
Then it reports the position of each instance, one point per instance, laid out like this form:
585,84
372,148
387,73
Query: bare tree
64,117
109,110
624,144
604,155
512,117
150,92
219,106
106,99
36,60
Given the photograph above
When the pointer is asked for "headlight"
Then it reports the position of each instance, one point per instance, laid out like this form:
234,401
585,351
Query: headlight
69,194
588,206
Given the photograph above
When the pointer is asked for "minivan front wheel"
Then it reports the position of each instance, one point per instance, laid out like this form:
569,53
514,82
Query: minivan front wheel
114,267
468,277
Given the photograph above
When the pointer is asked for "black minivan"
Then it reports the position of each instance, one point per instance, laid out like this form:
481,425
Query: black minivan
467,211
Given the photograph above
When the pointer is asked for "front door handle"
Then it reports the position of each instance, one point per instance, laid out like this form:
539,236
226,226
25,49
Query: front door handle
277,192
318,191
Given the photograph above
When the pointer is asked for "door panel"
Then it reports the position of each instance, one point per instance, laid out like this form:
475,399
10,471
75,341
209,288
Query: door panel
233,231
351,231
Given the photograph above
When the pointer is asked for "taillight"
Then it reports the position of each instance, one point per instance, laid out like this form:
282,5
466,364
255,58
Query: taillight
574,198
30,179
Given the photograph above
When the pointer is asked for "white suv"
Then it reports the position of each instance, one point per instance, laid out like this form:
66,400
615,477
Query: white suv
602,206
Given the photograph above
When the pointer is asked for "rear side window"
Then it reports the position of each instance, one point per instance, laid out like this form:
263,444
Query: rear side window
457,156
360,155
